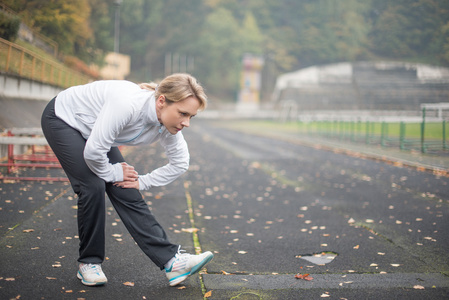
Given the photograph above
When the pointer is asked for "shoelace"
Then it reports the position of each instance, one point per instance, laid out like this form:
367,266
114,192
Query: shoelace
179,253
91,268
180,259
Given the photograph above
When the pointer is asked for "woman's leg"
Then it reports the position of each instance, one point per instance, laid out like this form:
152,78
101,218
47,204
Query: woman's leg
68,145
138,219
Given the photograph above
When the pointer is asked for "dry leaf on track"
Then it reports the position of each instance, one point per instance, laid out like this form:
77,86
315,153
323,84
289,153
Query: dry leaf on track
208,294
190,230
303,276
418,287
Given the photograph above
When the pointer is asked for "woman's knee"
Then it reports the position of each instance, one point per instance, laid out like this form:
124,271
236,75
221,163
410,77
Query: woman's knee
93,186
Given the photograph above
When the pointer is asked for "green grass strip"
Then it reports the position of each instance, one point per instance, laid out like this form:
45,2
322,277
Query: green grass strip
196,241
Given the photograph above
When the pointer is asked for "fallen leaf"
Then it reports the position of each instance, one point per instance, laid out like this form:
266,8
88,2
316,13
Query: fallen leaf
28,230
225,273
190,230
395,265
129,283
303,276
208,294
356,247
418,287
181,287
325,295
51,278
10,279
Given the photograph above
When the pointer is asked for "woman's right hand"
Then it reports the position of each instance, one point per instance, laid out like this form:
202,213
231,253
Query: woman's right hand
129,174
130,178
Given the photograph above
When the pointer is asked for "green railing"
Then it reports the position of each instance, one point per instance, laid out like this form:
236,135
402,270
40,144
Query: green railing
425,136
17,60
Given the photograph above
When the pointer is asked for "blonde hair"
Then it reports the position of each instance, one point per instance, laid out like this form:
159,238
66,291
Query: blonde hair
177,87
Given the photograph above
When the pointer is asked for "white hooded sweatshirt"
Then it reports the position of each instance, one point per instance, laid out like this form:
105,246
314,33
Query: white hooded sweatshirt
115,112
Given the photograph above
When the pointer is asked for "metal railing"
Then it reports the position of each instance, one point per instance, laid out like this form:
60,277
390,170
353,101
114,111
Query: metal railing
425,136
17,60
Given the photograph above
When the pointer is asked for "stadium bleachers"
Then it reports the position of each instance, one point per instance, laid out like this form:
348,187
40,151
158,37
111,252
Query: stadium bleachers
364,85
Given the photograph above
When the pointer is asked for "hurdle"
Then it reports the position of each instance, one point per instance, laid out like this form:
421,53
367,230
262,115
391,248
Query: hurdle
28,137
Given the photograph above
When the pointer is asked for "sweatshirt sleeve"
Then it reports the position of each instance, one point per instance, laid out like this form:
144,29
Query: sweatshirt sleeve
178,156
112,119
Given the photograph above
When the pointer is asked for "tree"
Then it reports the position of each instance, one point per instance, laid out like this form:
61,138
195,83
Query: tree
411,29
218,52
64,21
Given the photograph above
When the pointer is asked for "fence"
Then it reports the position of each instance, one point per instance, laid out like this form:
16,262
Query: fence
400,135
426,133
24,63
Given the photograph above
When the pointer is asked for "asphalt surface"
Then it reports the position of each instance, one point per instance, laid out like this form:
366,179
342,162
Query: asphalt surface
363,223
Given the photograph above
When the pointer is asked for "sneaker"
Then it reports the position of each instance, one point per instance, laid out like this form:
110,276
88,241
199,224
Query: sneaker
91,274
185,265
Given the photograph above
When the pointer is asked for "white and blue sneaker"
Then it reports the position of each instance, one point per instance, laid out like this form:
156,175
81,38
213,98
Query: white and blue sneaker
186,264
91,274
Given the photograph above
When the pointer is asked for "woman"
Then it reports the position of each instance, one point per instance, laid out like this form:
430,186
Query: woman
85,124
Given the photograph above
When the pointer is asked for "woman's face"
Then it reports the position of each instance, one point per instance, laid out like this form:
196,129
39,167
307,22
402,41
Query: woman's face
175,116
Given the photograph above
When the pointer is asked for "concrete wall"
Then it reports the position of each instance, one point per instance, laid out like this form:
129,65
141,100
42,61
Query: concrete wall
20,88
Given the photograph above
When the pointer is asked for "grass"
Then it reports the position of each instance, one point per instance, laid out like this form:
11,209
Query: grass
35,64
36,50
392,130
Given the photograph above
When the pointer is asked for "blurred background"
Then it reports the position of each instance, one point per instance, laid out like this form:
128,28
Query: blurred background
355,69
210,38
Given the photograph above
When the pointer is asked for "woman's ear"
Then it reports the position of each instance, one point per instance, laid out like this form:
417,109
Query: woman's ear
160,101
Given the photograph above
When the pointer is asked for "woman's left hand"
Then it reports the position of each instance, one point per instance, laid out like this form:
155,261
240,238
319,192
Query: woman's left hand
128,184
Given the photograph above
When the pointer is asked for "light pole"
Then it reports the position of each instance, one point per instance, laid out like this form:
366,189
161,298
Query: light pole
117,25
117,35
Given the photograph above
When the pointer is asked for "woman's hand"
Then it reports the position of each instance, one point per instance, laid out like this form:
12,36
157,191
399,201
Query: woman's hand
127,184
130,178
129,174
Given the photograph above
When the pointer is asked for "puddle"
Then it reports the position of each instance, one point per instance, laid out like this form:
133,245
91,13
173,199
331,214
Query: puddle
321,258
